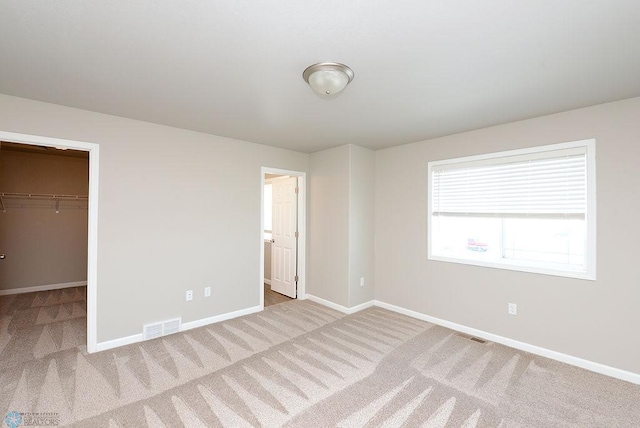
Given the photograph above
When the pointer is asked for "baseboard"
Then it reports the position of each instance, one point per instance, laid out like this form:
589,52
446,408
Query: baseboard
327,303
533,349
116,343
365,305
267,281
223,317
43,288
526,347
128,340
337,307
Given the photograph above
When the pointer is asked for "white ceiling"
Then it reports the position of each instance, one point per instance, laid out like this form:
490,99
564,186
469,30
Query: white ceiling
423,68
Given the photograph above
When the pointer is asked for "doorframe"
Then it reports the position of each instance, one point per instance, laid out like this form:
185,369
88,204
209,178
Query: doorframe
302,228
92,239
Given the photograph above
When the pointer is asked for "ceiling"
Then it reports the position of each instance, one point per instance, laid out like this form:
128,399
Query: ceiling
423,68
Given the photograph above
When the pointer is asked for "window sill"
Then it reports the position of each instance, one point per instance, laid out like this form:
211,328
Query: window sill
519,268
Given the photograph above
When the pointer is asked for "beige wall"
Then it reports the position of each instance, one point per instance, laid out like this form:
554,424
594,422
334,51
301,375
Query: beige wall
178,210
361,233
594,320
42,247
341,224
328,261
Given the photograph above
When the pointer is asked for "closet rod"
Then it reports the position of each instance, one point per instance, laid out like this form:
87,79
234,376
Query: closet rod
41,196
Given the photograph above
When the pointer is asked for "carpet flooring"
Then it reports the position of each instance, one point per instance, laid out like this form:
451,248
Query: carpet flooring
273,298
296,364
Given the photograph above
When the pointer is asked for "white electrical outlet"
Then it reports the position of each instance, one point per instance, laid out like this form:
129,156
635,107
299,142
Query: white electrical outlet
362,282
189,296
207,291
513,309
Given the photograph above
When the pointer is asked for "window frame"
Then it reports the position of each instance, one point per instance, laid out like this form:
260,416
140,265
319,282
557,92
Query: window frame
590,214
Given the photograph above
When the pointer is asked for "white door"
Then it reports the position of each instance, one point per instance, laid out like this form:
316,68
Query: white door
284,242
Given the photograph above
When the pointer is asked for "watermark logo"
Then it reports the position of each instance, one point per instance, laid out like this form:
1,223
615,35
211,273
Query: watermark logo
47,419
13,419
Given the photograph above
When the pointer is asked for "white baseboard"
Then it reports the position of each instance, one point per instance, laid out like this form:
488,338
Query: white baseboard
267,281
223,317
337,307
533,349
526,347
365,305
116,343
43,288
128,340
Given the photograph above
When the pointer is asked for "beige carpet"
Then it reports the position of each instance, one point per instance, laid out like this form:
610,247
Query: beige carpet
273,298
295,364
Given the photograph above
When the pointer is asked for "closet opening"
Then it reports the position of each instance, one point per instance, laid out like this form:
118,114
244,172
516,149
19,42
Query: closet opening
48,243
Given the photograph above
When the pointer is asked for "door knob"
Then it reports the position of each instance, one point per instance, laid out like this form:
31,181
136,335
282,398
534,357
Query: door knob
2,256
273,241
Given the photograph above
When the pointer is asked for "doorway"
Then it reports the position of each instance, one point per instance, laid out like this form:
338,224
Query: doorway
282,237
92,227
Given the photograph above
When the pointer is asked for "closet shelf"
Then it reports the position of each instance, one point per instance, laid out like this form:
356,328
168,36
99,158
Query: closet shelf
41,195
55,197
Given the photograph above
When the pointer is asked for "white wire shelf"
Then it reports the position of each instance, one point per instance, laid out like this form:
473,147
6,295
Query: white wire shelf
50,196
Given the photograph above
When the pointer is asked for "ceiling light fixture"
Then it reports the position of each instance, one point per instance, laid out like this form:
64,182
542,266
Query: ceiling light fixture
328,78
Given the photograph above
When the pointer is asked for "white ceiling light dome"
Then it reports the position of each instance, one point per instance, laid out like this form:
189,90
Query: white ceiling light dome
328,78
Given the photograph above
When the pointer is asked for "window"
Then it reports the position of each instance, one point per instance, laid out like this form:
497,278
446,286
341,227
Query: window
531,210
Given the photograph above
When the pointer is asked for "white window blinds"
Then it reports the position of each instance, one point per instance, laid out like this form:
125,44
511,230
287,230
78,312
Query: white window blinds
543,184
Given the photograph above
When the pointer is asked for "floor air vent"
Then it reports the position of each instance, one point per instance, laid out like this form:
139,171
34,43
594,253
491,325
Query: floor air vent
151,331
473,338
